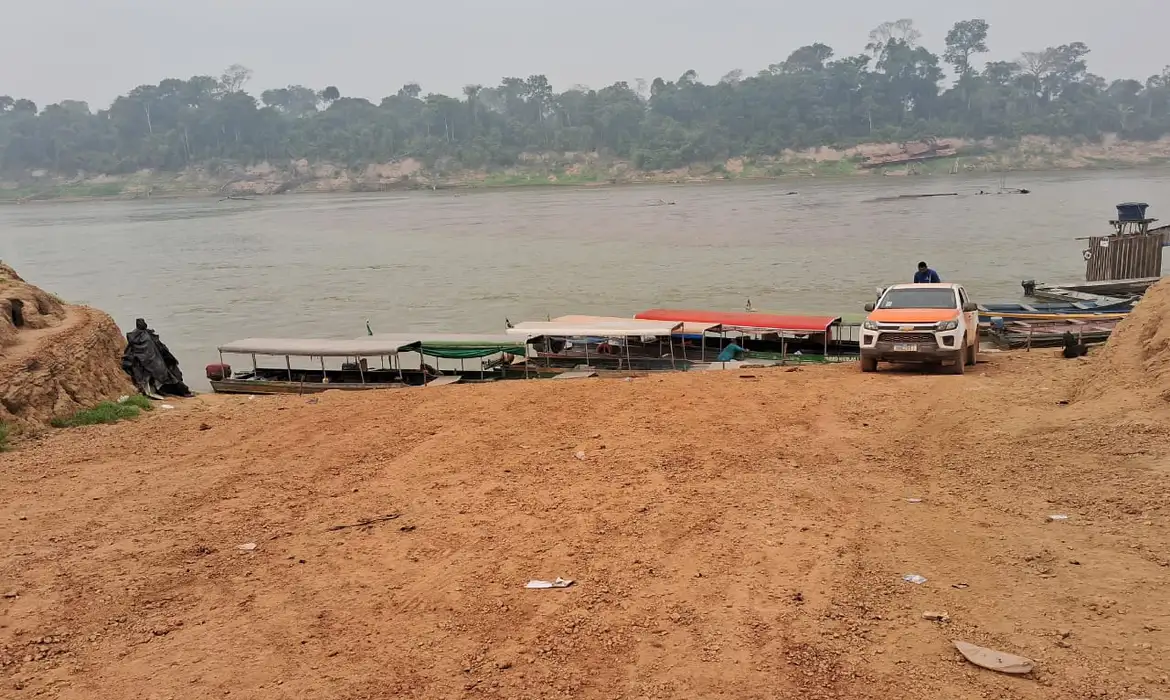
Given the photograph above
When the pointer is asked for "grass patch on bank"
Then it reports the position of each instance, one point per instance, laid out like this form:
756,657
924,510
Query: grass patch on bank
536,179
3,436
50,191
106,412
91,189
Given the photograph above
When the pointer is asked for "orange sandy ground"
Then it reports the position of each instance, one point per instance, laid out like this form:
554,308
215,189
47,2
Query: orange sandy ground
730,538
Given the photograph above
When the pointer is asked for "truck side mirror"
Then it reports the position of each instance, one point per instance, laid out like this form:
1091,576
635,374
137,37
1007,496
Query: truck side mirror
970,306
870,307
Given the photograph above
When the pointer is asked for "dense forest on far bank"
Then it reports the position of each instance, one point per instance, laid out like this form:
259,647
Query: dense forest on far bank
896,90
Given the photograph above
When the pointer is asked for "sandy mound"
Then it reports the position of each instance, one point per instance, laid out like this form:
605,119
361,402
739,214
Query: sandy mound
55,359
36,309
1135,364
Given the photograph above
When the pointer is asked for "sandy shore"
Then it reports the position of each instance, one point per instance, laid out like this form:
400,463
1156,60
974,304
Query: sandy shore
729,537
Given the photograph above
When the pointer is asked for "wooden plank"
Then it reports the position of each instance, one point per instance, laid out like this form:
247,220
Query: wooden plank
443,381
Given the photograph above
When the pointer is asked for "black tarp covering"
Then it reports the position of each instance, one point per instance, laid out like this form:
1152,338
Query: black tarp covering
150,363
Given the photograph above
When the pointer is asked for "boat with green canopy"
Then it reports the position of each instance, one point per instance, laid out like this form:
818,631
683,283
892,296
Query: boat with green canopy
498,356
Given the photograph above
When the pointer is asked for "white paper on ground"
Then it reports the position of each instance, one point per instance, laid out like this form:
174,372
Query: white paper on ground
559,583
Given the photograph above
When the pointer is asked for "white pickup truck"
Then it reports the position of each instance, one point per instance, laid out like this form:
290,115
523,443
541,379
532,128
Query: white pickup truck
927,323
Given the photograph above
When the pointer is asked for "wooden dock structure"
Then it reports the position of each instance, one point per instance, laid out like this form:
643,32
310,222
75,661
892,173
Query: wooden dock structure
1120,265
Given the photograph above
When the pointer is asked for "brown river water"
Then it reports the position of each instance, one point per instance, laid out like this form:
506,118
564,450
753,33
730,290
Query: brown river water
203,272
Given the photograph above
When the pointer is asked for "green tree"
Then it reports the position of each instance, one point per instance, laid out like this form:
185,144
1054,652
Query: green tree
235,77
966,39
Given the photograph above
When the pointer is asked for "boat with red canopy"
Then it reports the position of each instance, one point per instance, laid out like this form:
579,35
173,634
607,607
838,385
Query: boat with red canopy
745,321
770,336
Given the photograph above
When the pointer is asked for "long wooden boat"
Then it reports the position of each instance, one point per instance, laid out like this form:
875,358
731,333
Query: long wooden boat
264,387
480,357
767,334
1044,311
354,373
1025,334
1082,291
611,343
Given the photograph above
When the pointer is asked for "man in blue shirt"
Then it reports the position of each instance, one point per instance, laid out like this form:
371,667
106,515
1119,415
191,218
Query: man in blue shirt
925,275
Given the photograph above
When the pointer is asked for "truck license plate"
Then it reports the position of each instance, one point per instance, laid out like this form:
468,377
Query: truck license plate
905,348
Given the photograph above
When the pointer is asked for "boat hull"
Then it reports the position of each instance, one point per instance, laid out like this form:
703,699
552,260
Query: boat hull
263,387
1052,310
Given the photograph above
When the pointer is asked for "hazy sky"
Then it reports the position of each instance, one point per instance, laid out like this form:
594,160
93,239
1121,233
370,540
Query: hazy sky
94,50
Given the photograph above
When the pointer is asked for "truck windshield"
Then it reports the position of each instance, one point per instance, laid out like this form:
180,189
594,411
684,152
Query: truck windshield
913,298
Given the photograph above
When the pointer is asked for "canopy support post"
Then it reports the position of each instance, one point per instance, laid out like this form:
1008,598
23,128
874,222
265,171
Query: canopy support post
288,364
361,372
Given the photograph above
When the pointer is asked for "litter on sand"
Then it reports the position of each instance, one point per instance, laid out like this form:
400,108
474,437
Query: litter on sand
580,456
914,500
993,660
914,578
960,586
559,583
247,547
365,523
166,406
1057,517
936,616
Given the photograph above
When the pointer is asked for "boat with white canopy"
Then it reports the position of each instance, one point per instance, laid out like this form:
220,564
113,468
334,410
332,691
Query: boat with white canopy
684,338
567,341
315,368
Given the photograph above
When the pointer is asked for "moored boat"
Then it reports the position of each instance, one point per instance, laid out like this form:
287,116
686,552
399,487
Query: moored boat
770,336
315,369
491,356
1013,334
603,343
312,373
1042,311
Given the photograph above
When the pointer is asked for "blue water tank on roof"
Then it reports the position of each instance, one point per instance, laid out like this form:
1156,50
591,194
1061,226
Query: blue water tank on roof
1132,211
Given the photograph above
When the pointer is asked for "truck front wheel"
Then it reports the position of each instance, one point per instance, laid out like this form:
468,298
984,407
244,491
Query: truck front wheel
959,366
868,364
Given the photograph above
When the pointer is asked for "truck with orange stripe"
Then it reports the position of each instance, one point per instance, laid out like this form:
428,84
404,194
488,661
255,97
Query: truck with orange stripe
925,323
